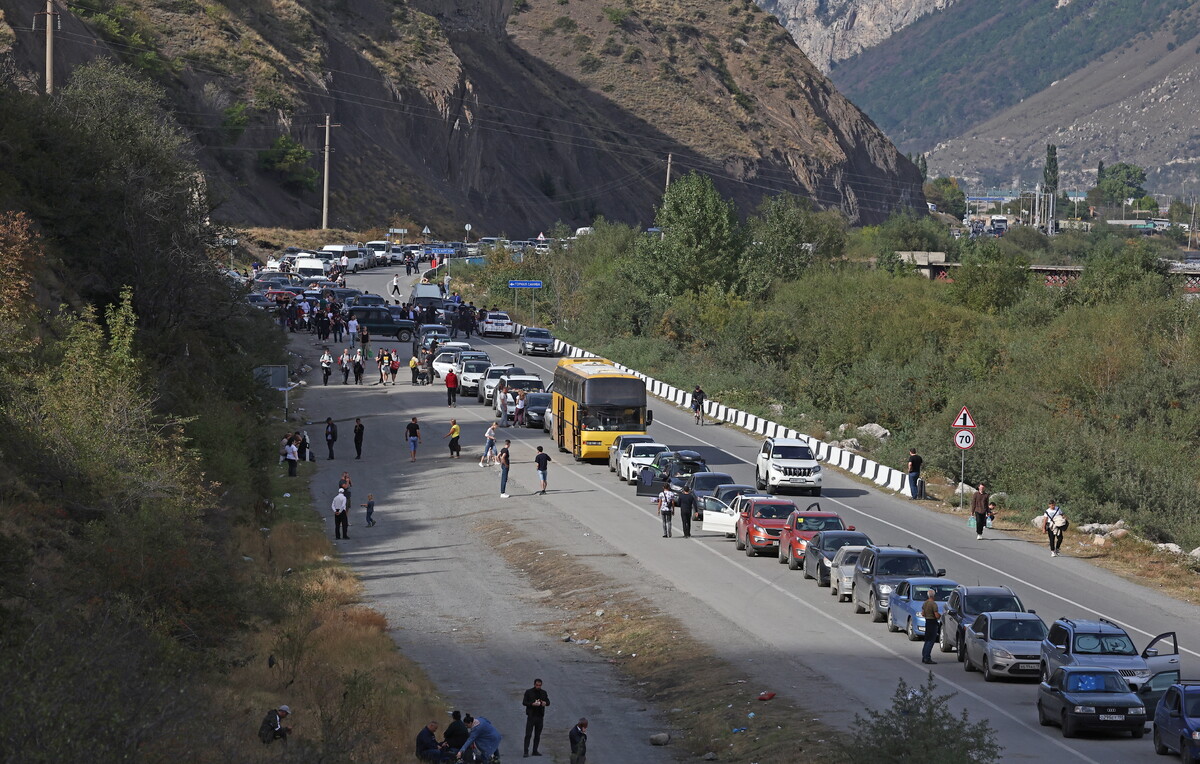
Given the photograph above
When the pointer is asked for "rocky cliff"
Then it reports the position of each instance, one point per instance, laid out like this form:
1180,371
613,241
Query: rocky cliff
829,31
454,111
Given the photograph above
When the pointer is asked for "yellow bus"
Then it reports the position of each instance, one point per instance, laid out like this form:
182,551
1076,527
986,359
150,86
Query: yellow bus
593,402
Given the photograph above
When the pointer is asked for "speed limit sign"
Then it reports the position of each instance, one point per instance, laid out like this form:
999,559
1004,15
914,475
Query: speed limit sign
964,439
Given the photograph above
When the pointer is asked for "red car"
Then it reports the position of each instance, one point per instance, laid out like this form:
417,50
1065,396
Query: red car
799,529
759,522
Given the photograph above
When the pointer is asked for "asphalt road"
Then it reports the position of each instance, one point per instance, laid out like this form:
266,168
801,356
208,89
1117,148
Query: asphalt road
788,634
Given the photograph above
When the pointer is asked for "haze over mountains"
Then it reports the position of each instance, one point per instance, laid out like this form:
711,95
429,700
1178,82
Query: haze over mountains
455,111
984,86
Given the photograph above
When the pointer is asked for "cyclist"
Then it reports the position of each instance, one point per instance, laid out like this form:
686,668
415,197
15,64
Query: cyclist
698,398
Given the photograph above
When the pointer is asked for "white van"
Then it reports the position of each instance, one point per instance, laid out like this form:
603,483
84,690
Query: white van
425,294
311,268
356,255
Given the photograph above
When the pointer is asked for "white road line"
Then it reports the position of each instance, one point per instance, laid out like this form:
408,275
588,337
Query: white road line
931,542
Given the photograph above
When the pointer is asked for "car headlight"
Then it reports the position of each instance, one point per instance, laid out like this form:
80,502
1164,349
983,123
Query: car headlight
1000,652
759,528
1142,673
885,588
1085,709
825,561
1196,735
1138,711
815,470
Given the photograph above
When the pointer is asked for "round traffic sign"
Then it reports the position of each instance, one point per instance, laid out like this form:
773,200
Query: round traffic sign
964,439
467,227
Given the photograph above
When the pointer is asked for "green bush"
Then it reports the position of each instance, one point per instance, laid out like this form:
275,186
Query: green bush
288,159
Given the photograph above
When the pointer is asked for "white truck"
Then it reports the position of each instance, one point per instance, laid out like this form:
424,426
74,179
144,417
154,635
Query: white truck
999,224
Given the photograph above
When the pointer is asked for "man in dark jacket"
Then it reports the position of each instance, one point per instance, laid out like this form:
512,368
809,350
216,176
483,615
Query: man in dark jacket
579,742
330,435
428,747
272,727
535,702
687,507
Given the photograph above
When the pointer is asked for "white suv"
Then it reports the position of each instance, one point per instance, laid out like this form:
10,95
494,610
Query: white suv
491,378
497,323
787,463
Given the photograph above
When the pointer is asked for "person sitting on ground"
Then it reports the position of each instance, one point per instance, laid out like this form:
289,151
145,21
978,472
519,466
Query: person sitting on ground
428,747
272,728
457,733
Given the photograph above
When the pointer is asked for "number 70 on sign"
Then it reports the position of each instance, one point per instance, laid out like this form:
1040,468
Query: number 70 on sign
964,439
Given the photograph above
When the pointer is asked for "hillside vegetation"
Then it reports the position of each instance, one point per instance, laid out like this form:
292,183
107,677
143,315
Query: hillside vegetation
956,68
1086,394
154,602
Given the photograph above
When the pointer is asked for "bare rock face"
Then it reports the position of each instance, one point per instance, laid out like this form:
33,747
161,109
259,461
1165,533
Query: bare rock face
831,30
488,17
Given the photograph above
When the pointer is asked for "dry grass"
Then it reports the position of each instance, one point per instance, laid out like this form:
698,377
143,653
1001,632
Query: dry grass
655,652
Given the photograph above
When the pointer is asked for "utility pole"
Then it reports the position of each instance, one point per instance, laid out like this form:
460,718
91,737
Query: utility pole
325,193
1192,228
50,16
668,184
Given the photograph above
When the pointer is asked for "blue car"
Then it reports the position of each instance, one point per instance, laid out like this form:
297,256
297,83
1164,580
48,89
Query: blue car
1177,721
904,610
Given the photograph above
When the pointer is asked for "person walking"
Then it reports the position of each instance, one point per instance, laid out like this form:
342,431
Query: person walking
933,626
451,389
666,501
326,367
412,431
979,508
344,363
359,429
687,507
396,285
489,447
341,518
272,728
535,702
292,455
352,329
542,460
914,471
578,738
330,435
358,367
370,507
503,458
453,435
1056,524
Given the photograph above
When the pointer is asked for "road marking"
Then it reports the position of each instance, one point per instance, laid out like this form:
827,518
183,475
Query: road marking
931,542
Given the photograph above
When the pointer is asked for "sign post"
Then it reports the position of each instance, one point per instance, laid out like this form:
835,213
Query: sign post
532,286
964,439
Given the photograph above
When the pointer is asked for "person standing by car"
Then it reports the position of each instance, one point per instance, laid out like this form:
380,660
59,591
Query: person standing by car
535,702
979,508
1056,524
687,507
666,501
330,435
412,431
519,409
542,460
914,471
451,388
504,459
933,626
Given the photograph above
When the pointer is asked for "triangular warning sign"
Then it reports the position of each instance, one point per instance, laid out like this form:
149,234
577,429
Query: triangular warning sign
964,419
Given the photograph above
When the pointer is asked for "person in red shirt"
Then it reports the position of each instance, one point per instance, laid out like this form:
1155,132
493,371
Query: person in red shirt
451,388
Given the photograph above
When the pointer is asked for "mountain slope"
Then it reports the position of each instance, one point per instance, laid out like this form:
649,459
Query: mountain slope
959,67
456,111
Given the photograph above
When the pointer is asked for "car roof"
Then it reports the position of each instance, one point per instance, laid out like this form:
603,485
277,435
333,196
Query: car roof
1096,627
929,581
898,551
985,589
1089,670
788,441
524,377
726,486
815,513
689,455
651,443
769,500
843,532
1012,615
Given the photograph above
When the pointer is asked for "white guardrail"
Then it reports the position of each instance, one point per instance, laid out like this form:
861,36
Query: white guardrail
884,477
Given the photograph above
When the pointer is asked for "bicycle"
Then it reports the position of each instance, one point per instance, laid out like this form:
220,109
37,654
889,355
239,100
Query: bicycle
698,414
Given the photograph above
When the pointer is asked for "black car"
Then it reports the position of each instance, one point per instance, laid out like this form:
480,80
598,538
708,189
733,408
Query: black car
703,483
1077,698
821,549
363,300
380,322
879,569
968,602
535,408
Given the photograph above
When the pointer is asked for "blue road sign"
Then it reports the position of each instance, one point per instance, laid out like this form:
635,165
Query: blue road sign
524,285
441,250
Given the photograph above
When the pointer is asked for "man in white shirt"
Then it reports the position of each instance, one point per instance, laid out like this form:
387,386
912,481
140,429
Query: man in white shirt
352,328
345,263
341,518
666,507
396,285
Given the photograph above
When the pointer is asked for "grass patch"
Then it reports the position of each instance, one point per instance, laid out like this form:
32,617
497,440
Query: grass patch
655,651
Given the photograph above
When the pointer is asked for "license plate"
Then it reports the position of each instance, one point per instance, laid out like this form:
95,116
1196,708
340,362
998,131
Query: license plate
1028,667
1112,717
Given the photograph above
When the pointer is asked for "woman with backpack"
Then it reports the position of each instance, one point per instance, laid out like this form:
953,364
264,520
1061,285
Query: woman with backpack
1056,524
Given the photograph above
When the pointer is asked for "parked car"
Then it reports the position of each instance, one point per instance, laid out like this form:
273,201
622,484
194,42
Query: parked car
254,299
787,464
969,601
800,528
904,607
497,323
1004,643
619,443
512,384
1090,698
448,355
879,570
841,571
759,523
1177,721
1104,643
703,483
636,455
535,409
380,322
820,550
469,372
491,378
366,299
718,512
534,341
671,468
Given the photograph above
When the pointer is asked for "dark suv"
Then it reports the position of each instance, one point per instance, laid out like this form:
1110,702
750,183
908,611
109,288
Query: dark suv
380,322
966,603
1104,643
879,569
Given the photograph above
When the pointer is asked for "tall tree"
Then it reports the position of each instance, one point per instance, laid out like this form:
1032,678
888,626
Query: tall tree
702,239
787,236
1050,172
1099,172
